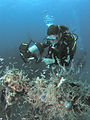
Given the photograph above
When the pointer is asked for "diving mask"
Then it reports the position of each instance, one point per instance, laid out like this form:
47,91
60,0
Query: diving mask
52,39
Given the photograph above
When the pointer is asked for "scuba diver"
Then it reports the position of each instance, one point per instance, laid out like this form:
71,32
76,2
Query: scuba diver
61,46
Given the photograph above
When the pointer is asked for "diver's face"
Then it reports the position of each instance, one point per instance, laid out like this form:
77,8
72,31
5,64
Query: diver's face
53,39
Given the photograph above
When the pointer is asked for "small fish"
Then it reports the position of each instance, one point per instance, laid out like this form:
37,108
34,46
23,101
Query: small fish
37,70
44,70
42,75
1,59
10,63
2,62
1,72
0,66
26,66
15,62
32,58
9,57
13,57
23,64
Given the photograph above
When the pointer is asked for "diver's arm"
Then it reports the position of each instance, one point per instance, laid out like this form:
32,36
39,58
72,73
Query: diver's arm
48,61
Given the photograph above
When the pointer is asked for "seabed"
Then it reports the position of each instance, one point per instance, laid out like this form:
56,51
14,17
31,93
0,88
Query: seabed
62,96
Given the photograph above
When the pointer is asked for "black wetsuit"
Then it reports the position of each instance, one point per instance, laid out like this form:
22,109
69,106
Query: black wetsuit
64,50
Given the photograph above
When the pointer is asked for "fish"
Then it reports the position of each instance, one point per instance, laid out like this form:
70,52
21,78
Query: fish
1,59
37,70
43,75
1,66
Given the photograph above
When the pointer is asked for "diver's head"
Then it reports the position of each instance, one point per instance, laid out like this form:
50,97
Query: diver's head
53,30
53,33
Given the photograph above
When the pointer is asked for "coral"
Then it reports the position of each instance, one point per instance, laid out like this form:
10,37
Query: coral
60,97
15,83
65,100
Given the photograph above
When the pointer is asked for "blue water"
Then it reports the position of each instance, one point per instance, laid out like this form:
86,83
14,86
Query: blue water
22,20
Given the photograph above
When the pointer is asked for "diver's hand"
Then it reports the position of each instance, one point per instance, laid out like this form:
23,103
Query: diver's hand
48,61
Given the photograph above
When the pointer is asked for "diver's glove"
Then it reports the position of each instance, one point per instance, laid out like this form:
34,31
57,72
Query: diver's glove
48,61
